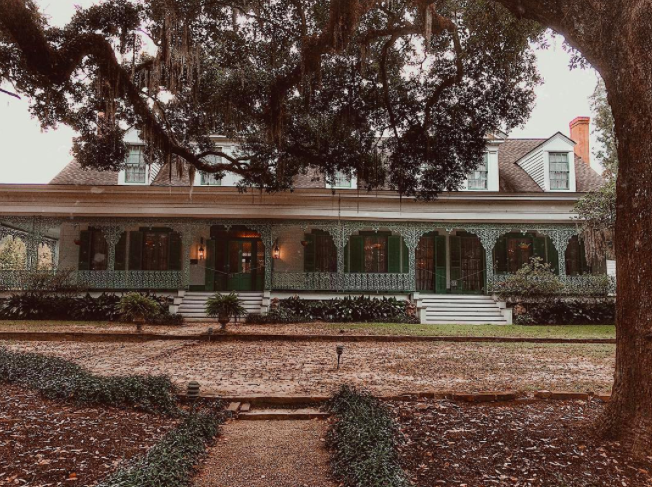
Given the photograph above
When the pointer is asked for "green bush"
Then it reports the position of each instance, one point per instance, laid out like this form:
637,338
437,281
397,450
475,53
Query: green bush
566,312
363,441
137,308
533,279
224,305
172,461
345,310
56,378
31,306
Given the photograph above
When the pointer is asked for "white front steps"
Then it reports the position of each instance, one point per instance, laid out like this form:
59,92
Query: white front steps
193,305
447,309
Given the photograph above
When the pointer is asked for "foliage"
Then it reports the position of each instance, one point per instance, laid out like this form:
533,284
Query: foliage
56,378
224,305
173,460
348,309
13,254
363,440
566,312
135,307
341,73
597,209
535,278
41,306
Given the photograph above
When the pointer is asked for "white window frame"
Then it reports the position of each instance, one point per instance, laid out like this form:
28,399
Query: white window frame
481,169
200,178
491,163
122,175
561,155
342,176
570,157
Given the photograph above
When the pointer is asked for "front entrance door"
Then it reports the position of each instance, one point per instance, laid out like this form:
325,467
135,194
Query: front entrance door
239,263
467,264
431,264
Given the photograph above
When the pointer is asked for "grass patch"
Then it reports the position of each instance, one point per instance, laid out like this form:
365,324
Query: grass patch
569,331
57,378
363,441
172,461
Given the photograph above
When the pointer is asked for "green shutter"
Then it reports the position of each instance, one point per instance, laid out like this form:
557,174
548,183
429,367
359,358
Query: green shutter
539,248
456,263
309,253
356,251
174,255
553,255
406,259
346,257
394,254
440,263
84,250
135,251
121,253
210,265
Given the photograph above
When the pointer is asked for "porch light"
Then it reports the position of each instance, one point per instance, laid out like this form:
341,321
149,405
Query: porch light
276,252
200,251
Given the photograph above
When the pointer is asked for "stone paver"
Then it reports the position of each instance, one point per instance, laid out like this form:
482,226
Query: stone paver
301,368
268,453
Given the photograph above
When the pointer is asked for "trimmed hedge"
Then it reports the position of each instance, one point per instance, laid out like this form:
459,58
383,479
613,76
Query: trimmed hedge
566,312
43,306
345,310
363,441
56,378
172,461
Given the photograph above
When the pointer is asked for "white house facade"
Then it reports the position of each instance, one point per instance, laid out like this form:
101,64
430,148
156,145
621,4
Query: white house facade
144,228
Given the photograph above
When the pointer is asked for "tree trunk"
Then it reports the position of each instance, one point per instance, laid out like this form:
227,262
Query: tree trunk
629,415
615,36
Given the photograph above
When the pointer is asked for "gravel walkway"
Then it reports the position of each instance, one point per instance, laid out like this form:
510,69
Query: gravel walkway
268,453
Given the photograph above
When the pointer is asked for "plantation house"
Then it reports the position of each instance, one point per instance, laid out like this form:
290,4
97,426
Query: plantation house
144,228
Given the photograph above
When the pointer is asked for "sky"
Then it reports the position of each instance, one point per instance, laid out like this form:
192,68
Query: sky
31,155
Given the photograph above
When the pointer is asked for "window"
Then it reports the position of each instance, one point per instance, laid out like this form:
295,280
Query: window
156,251
135,170
375,254
478,178
209,179
576,263
320,254
342,180
559,170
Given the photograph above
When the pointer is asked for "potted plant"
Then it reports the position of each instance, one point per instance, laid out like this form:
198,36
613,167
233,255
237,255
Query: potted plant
136,308
224,307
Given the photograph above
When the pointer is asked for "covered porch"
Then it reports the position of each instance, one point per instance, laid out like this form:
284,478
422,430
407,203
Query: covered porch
399,257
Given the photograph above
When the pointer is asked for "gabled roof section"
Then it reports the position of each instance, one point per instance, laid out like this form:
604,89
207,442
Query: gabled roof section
74,174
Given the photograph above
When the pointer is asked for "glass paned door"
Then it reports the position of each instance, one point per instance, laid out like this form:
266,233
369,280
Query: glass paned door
472,264
245,265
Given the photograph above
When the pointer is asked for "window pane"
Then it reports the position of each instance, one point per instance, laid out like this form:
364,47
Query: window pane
210,180
341,180
478,178
375,254
559,170
136,170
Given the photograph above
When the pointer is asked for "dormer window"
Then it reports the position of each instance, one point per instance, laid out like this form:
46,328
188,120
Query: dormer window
342,180
559,171
135,168
479,179
210,179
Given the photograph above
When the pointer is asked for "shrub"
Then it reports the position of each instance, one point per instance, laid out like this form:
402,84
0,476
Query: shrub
566,312
348,309
172,461
56,378
137,308
87,308
363,441
224,307
533,279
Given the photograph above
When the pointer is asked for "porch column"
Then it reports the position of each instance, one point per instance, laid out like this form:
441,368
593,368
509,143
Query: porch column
488,238
411,237
560,239
267,236
32,242
112,235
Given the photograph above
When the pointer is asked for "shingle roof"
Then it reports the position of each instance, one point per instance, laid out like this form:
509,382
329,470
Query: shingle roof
513,179
74,174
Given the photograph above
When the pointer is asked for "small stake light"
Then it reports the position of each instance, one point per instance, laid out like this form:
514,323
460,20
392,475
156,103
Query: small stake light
210,333
340,350
193,390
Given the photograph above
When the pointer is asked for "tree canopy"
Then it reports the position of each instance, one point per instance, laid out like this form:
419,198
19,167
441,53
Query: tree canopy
402,93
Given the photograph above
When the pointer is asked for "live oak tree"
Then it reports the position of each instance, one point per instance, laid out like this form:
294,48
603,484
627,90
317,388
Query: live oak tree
311,85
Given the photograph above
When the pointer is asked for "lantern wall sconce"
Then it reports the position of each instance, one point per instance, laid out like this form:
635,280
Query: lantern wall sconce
276,251
200,250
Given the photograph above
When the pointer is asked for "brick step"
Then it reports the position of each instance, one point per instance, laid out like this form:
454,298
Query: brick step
282,415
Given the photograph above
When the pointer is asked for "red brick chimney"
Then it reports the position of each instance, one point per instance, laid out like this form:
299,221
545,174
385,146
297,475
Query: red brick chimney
579,132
